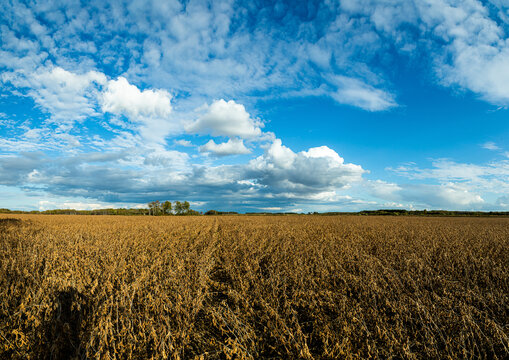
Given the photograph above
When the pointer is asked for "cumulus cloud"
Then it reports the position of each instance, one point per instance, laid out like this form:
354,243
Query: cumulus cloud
226,118
149,108
279,176
231,147
69,97
123,98
314,171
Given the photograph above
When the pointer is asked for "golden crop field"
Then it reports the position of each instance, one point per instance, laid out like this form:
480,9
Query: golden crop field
253,287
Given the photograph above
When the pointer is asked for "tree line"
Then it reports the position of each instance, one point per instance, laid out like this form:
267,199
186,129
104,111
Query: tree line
157,208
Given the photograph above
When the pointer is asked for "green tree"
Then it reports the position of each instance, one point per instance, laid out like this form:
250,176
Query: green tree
154,208
157,207
178,207
186,207
167,207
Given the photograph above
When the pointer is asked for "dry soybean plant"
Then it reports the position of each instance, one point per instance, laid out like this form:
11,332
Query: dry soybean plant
253,287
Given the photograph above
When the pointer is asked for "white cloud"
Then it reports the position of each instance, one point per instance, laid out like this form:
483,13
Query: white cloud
167,159
183,142
326,153
67,96
231,147
305,173
466,40
70,140
196,47
223,118
455,185
383,189
199,51
477,47
48,205
150,109
277,155
447,195
490,145
278,177
357,93
490,177
385,15
122,98
457,194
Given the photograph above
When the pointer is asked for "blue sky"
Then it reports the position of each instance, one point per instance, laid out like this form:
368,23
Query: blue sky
255,105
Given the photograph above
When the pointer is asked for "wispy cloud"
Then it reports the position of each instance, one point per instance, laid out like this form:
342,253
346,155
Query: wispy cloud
447,195
66,96
467,40
199,49
454,184
490,145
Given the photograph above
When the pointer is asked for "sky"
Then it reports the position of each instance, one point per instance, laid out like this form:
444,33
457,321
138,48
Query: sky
291,106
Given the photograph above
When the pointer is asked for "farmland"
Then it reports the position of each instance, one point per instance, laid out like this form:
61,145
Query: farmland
251,287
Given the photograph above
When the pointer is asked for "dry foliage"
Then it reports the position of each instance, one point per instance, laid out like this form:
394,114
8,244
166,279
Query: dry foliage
240,287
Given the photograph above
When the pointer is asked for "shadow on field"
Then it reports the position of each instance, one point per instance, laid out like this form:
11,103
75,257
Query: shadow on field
9,221
65,328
